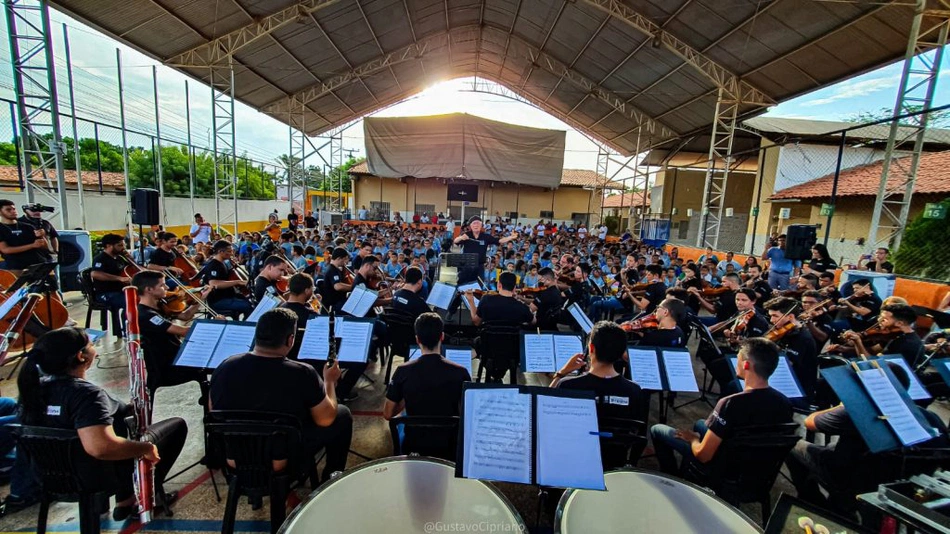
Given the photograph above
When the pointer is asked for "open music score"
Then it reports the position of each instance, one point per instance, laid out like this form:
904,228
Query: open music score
356,335
917,391
548,352
470,286
210,342
670,370
782,380
441,295
361,300
582,319
268,302
499,443
316,339
889,403
453,353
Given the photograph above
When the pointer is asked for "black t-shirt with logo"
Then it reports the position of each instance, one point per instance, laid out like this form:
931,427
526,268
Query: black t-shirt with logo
409,302
215,270
549,303
666,338
109,265
655,293
160,347
280,385
478,245
17,235
765,406
862,322
332,277
802,352
74,403
162,258
822,265
616,396
726,307
500,310
430,385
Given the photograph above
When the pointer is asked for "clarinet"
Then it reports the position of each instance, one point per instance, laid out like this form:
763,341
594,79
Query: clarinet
332,351
142,415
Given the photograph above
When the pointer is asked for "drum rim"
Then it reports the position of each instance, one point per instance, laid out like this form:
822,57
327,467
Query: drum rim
413,457
559,512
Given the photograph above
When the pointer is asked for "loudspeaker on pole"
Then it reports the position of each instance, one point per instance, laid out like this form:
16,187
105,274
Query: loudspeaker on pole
145,207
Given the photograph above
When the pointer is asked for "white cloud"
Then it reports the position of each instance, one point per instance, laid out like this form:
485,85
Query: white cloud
854,89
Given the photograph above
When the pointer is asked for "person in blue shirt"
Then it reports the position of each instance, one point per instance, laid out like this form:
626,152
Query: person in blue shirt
707,256
489,273
780,267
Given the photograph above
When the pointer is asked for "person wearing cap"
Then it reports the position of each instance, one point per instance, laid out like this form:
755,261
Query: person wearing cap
200,231
475,242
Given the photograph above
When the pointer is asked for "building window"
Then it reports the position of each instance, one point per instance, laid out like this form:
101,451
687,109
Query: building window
547,215
378,211
422,209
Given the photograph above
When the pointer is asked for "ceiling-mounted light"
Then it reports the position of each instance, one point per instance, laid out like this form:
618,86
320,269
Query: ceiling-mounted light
657,42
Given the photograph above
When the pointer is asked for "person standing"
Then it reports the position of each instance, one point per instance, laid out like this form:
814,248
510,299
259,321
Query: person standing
474,241
878,263
309,221
33,216
20,243
200,230
780,267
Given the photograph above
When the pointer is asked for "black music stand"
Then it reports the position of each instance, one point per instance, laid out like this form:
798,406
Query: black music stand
703,334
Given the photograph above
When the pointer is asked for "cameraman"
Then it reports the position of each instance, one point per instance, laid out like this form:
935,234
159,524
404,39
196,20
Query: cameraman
20,243
33,216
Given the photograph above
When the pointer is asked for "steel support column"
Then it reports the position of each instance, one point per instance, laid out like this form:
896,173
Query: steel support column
34,80
906,140
221,81
720,152
297,174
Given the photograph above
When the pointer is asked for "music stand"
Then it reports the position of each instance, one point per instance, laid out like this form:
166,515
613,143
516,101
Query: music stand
705,338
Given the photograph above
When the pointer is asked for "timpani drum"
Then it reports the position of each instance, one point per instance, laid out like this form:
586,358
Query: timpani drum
404,494
641,501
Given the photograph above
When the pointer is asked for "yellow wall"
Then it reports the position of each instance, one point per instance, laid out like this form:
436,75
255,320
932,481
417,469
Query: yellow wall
852,217
683,189
769,167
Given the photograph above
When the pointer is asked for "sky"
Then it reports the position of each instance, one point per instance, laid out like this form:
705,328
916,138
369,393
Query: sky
263,138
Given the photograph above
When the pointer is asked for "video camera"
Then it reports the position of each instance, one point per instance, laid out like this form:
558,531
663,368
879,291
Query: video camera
38,207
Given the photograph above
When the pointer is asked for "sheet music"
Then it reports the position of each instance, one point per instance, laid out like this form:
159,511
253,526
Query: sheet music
568,444
497,428
414,352
13,301
783,380
236,339
467,307
582,319
462,357
356,337
679,371
316,340
539,353
645,369
735,363
470,286
267,303
916,390
199,345
360,301
440,296
889,403
565,347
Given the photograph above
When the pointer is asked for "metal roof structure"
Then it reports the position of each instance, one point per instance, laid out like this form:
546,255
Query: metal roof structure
616,70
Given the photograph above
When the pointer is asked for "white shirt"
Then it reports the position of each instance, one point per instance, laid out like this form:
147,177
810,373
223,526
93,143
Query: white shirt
603,232
582,232
204,233
450,226
540,229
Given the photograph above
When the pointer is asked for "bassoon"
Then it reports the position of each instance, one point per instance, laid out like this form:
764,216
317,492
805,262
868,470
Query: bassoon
141,408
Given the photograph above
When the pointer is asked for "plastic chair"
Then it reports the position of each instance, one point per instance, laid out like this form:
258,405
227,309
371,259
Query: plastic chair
89,293
252,441
746,465
67,473
625,443
428,435
500,345
402,333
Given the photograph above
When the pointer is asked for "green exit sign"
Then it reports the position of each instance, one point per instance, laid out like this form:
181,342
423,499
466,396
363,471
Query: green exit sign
935,211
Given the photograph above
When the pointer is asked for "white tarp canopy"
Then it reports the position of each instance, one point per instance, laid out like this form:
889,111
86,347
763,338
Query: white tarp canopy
461,145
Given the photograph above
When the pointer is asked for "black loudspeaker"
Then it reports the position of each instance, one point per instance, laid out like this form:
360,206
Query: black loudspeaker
463,192
75,255
145,207
799,238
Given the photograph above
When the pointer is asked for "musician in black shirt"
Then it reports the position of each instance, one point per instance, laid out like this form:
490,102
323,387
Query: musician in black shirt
34,217
163,257
798,344
21,244
407,300
901,318
817,320
161,338
501,309
755,326
108,278
474,241
300,301
724,305
428,385
668,334
757,283
758,404
366,249
548,303
335,286
266,282
367,272
861,307
224,298
284,386
655,291
826,286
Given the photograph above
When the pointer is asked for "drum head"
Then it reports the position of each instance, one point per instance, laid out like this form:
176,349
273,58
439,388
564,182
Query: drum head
404,495
638,501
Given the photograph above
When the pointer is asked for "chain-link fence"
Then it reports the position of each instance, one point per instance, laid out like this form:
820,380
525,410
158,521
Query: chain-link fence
826,175
101,163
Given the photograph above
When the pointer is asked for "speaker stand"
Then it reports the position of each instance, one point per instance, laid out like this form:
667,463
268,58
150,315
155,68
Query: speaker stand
141,246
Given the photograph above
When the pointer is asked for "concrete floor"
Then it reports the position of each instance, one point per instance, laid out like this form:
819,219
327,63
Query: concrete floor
197,510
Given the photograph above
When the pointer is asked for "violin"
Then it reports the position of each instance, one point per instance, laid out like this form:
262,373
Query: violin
742,322
174,302
647,322
776,334
715,291
879,334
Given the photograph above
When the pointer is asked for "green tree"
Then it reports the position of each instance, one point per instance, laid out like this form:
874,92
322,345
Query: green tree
938,119
925,248
8,154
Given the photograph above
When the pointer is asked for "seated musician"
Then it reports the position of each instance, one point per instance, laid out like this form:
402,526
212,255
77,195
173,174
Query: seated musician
756,326
161,338
797,342
628,276
427,385
54,393
163,257
500,309
724,304
273,270
285,386
758,404
817,320
617,397
298,299
757,283
655,291
547,304
20,243
861,308
826,286
367,271
224,298
669,313
335,286
898,320
846,468
408,300
107,276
